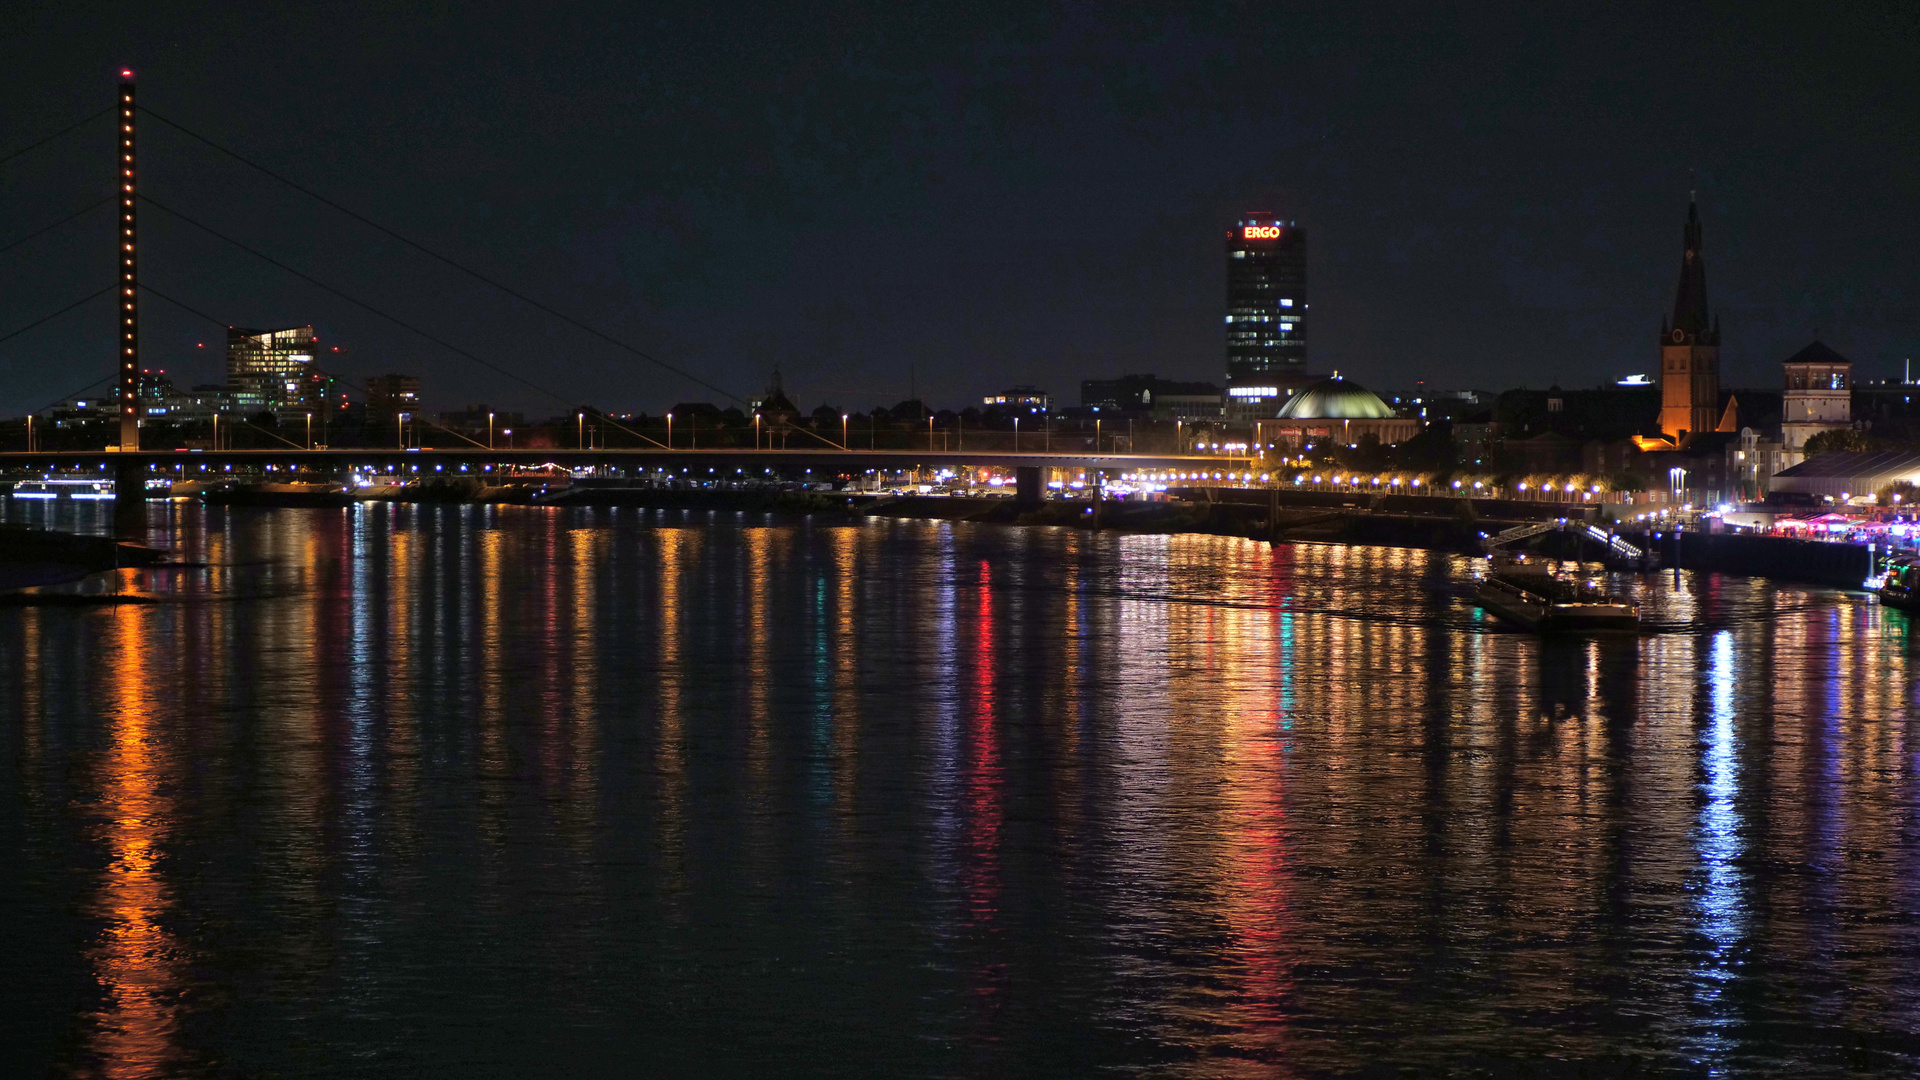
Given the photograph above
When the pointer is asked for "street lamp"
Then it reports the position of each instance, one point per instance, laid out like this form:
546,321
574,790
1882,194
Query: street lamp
309,431
1016,434
843,434
929,433
756,431
489,431
669,431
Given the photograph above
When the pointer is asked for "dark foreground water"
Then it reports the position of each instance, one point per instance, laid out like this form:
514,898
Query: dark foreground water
467,792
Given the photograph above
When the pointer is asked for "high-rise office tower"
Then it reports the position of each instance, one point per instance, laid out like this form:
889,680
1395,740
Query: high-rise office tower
272,369
1266,314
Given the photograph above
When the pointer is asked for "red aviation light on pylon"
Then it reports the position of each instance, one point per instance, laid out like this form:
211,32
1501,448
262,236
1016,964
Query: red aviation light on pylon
126,73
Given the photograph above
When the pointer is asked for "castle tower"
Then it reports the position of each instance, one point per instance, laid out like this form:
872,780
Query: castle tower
1690,347
1818,397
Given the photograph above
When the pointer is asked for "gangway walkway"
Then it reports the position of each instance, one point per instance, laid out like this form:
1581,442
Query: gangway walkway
1520,532
1617,548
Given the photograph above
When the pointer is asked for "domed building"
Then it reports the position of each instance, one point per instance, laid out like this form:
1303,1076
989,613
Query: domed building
1335,399
1334,410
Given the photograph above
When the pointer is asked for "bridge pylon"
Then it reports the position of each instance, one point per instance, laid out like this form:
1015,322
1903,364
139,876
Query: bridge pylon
129,478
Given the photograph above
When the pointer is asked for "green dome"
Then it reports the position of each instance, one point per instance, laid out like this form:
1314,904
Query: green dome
1335,399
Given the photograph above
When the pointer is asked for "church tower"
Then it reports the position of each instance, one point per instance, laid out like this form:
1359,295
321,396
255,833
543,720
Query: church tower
1690,348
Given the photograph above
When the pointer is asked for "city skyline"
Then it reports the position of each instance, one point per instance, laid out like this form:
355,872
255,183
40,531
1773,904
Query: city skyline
972,540
1440,266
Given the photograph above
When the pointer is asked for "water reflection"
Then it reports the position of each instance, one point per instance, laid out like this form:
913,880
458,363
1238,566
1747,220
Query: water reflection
133,1029
462,791
1723,904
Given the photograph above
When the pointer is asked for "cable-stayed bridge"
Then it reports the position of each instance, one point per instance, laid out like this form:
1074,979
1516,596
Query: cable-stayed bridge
133,464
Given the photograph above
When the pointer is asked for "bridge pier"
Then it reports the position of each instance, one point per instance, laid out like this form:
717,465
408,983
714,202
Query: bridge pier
1027,488
129,498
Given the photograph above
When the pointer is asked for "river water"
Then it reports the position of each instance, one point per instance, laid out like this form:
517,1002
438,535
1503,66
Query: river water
508,792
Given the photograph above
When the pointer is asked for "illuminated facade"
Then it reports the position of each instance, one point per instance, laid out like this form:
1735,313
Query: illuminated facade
1266,315
1338,411
1690,348
274,369
1818,397
1026,399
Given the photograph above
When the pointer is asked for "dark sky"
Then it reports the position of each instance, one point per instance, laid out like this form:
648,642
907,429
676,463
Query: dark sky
974,194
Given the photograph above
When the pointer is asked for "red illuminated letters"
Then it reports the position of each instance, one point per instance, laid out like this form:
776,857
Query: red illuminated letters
1261,232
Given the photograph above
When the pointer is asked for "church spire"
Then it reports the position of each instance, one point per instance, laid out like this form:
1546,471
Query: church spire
1691,322
1690,353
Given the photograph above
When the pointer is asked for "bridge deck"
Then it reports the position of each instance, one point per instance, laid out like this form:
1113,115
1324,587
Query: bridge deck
639,457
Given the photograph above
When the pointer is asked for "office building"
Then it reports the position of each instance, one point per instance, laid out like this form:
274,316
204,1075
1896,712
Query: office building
1266,315
1021,399
392,398
274,369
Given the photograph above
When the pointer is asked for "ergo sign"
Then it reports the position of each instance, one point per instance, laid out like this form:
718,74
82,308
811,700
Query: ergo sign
1261,232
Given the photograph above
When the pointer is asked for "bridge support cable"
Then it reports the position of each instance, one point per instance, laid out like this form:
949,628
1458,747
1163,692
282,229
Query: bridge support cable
455,434
43,230
71,394
196,312
189,309
355,301
10,335
448,261
242,422
68,130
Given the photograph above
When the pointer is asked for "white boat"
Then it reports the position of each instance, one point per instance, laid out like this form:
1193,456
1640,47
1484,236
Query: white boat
64,487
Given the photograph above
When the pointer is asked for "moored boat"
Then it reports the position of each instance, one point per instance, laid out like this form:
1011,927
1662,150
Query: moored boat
1528,594
1900,587
64,487
281,494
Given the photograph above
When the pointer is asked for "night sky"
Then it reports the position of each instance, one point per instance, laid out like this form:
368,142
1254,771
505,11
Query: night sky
970,195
